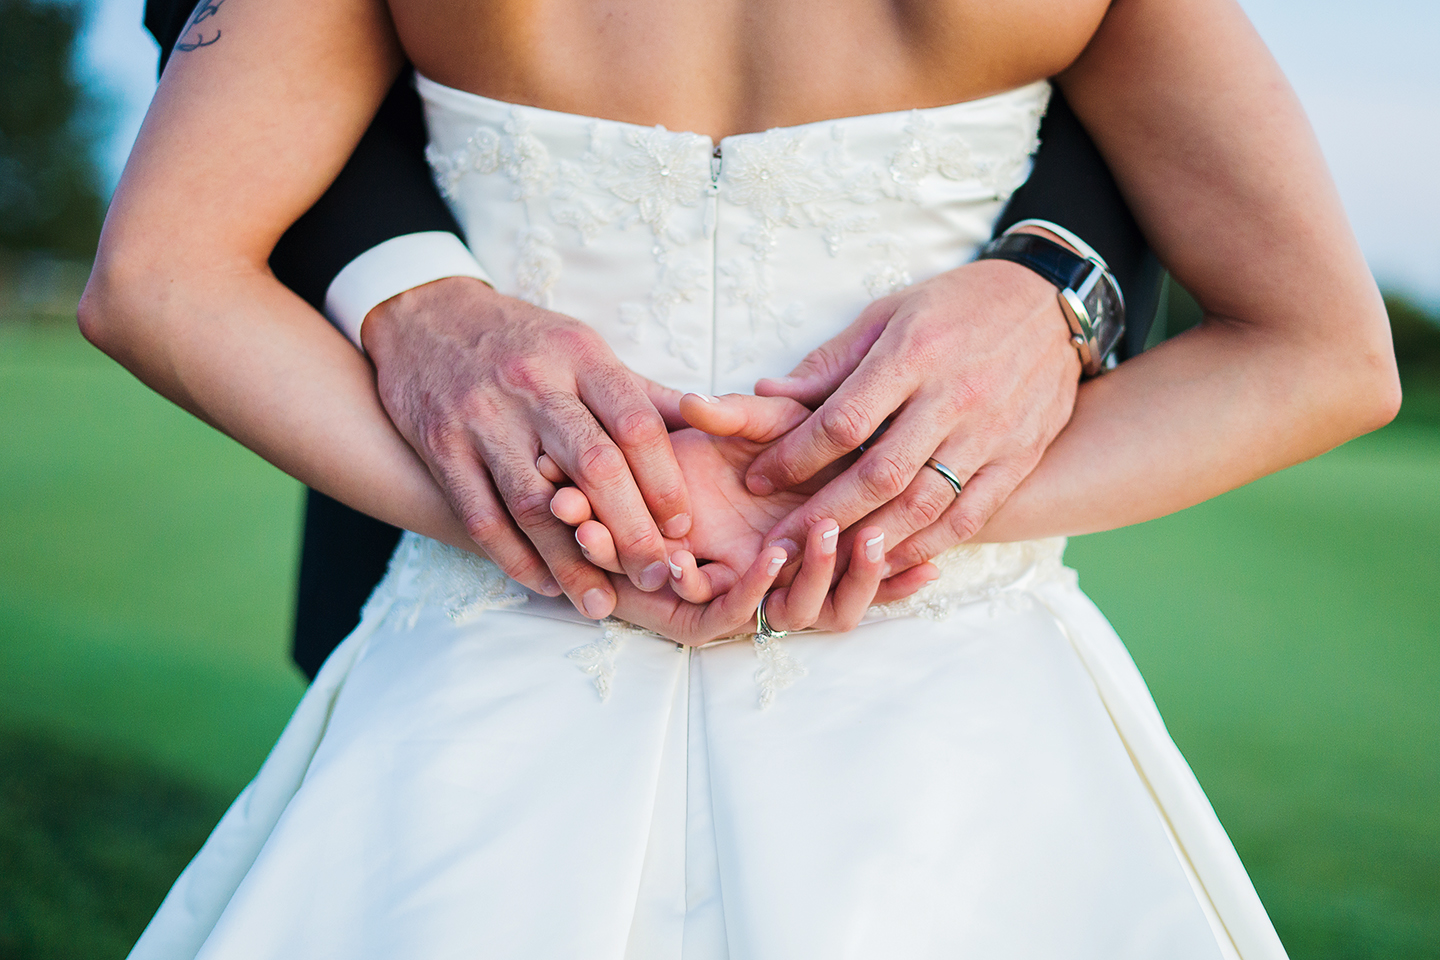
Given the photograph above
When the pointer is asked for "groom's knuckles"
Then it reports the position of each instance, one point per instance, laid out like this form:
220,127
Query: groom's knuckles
637,426
645,443
525,375
600,467
970,514
485,525
473,500
838,427
637,542
530,505
822,369
577,577
882,475
491,529
923,503
441,439
842,424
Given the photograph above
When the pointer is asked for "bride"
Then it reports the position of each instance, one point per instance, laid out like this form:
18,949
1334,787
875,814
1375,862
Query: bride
976,768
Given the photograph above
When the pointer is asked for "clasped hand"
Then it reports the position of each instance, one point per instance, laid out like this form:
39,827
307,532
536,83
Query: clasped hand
504,400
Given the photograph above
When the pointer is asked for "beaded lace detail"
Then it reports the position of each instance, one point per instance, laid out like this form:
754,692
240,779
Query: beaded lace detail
778,668
425,573
998,573
788,179
647,174
597,658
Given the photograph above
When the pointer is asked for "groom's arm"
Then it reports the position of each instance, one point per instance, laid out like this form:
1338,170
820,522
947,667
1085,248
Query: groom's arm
1008,413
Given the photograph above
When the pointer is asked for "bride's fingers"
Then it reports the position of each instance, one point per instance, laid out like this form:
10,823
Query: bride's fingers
571,506
799,605
903,584
761,419
692,583
598,546
732,611
856,590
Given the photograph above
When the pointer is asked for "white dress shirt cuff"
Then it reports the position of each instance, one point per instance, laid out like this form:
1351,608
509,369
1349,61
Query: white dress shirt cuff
389,269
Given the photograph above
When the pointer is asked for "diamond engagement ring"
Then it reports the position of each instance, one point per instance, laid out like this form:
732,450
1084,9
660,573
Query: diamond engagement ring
945,472
763,631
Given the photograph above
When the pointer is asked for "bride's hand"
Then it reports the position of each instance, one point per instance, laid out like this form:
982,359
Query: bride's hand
729,528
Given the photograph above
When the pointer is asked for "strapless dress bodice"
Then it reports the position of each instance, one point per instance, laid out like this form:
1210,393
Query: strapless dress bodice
707,266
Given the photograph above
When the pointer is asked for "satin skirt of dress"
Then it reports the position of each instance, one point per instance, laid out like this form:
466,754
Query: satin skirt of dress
491,776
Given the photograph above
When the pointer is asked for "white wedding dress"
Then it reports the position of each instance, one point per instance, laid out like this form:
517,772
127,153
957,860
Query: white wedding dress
478,771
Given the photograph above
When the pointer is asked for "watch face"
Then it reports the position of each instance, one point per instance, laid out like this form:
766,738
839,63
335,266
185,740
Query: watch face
1107,313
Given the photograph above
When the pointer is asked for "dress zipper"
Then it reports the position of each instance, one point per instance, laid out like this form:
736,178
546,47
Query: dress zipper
715,166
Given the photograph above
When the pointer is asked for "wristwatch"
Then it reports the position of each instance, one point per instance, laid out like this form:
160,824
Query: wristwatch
1090,298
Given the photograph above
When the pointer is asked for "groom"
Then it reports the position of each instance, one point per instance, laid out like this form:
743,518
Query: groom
380,254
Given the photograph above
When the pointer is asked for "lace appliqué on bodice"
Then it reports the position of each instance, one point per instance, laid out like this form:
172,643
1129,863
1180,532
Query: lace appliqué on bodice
647,173
801,180
425,573
597,658
998,573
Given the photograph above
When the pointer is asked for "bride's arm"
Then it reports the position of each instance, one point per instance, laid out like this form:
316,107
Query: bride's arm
1223,172
244,134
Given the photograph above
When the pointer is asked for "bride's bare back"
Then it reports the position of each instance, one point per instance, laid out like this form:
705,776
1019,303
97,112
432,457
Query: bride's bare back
721,67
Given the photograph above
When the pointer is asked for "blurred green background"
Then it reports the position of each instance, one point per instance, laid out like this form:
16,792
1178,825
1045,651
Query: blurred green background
1290,630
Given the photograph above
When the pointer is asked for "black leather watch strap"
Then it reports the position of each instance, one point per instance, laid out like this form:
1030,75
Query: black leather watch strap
1060,266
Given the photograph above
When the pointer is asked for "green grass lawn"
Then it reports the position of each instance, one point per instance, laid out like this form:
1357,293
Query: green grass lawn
1290,632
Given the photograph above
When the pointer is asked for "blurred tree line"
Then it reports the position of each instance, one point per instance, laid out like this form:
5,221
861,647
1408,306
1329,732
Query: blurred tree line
51,202
50,193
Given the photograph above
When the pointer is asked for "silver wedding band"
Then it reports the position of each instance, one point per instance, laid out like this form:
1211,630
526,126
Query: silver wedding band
763,631
945,472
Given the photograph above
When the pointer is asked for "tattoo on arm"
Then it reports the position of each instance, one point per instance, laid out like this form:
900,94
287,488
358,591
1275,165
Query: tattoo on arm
194,36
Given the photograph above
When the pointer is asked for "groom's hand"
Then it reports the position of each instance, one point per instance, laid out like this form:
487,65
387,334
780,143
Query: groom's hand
480,384
973,367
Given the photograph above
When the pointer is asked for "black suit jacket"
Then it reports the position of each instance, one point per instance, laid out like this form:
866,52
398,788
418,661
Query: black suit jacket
385,191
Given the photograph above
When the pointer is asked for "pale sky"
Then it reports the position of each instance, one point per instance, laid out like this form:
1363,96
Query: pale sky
1368,74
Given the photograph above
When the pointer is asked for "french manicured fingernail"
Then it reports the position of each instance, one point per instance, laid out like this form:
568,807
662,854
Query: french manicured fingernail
828,539
775,566
790,547
676,526
550,588
760,485
595,602
875,548
675,570
886,571
653,576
